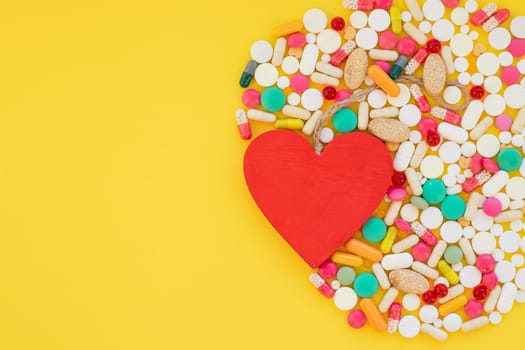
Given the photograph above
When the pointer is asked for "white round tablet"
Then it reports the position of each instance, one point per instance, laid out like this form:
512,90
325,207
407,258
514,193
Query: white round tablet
488,145
415,137
509,241
431,218
494,104
477,79
425,27
312,99
403,97
345,298
449,180
516,225
411,302
379,20
518,140
470,276
452,95
409,326
449,152
376,98
468,149
438,323
492,84
409,212
452,322
521,66
451,231
442,280
283,82
335,284
496,230
326,135
517,259
520,279
328,41
495,317
505,271
432,167
315,20
499,38
428,313
410,115
464,78
433,10
517,27
453,169
516,188
459,16
311,38
471,6
290,65
487,63
520,296
505,59
457,267
515,96
443,30
266,74
465,29
461,45
406,16
474,35
366,38
261,51
469,232
358,19
461,64
294,99
483,243
325,58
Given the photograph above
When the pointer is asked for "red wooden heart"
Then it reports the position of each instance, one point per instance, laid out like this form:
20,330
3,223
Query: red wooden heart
317,202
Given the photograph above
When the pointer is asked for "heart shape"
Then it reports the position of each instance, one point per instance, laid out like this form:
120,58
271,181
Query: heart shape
317,202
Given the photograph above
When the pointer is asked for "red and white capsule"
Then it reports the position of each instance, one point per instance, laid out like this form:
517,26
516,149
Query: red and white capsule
446,115
416,60
476,181
421,100
497,19
362,5
482,16
243,124
321,285
394,315
341,54
424,233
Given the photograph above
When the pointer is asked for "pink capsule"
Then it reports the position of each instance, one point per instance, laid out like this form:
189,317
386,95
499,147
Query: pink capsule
446,115
482,16
490,165
424,233
362,5
394,315
421,100
244,126
402,225
497,19
476,181
340,55
321,285
396,193
416,60
476,164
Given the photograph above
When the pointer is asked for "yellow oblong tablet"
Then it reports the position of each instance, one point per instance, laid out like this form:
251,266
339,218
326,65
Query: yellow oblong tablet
452,305
293,124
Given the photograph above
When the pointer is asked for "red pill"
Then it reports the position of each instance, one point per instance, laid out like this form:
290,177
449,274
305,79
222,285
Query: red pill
434,46
338,24
450,3
329,93
481,16
480,292
406,46
399,178
429,297
383,4
433,139
441,290
426,126
477,92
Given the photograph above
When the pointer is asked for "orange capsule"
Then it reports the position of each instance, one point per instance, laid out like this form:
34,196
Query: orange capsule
382,80
347,259
373,314
364,250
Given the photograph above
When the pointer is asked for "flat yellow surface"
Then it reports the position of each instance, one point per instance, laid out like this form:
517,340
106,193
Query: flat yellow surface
125,222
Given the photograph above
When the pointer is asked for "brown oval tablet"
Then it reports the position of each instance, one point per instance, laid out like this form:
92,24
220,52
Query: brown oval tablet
389,130
434,74
409,281
355,68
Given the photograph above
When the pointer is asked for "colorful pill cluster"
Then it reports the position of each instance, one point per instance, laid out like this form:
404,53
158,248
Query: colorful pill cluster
445,250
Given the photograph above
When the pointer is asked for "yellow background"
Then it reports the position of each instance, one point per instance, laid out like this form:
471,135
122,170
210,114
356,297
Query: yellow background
125,222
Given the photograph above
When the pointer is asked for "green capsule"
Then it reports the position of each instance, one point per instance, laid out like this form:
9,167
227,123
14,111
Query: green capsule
248,73
398,66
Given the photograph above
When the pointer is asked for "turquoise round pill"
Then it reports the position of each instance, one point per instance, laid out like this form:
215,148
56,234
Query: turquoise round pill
273,99
453,255
346,275
366,285
345,120
453,207
509,159
374,230
434,191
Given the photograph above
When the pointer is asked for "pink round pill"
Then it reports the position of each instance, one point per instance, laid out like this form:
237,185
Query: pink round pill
517,47
251,98
510,75
426,125
299,83
485,263
296,40
383,4
396,193
327,270
474,308
356,319
387,40
406,46
450,3
384,66
402,225
492,206
503,122
421,252
490,280
342,95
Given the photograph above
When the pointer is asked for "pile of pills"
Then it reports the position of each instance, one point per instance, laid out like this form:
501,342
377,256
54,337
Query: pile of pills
444,252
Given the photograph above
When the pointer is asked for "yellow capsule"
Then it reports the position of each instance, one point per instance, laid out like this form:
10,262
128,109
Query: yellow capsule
447,271
347,259
294,124
287,28
395,15
388,241
452,305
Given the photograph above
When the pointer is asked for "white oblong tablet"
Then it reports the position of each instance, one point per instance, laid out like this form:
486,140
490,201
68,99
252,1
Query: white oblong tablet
516,188
472,114
409,326
379,20
483,243
451,231
402,99
494,104
449,152
266,74
452,132
312,99
499,38
519,279
515,96
328,41
488,145
470,276
366,38
431,218
487,63
309,59
432,167
517,27
261,51
505,270
443,30
345,298
461,45
397,261
410,115
315,20
509,241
